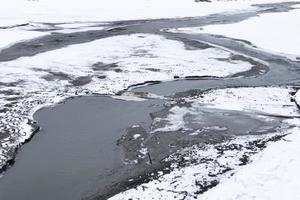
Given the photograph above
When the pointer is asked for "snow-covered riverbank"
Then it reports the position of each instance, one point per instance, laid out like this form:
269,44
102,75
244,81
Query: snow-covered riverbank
275,32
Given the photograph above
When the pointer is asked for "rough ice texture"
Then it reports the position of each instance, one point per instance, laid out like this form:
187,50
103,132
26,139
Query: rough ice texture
222,166
29,83
261,31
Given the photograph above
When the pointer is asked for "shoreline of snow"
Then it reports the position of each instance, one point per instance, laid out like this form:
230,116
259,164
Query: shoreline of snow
30,31
16,36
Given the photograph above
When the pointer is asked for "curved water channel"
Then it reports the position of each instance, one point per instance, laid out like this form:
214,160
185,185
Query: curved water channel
78,152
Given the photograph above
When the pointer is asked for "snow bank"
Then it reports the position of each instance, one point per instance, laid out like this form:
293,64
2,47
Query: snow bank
277,32
104,66
264,100
274,174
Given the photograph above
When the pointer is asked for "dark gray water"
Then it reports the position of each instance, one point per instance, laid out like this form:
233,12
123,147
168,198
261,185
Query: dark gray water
77,145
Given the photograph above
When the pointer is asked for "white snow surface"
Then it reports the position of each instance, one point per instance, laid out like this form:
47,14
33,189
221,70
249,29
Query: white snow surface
273,175
23,11
276,32
271,171
29,83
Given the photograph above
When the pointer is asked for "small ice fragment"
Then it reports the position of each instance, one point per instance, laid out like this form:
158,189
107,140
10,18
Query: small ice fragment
136,136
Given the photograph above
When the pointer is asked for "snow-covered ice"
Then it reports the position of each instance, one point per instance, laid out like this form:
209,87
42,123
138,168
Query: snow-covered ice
174,120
